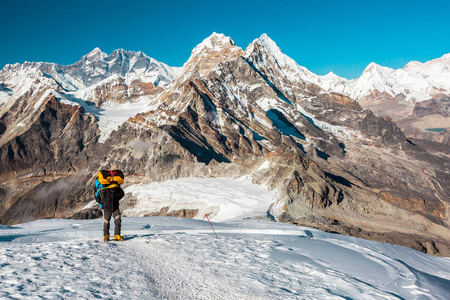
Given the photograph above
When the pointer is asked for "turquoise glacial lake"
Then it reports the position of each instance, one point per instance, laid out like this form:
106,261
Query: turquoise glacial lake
436,129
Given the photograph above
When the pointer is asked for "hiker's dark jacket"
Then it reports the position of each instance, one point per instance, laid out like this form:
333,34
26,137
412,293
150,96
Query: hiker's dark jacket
109,197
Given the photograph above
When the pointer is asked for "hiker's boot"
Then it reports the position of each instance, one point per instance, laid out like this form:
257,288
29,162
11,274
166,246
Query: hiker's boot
118,237
106,238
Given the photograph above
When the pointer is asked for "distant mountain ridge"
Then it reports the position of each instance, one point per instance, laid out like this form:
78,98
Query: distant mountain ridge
415,82
95,67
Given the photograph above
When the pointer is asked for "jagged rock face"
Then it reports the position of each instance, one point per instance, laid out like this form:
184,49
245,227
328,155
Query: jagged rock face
59,131
59,140
40,137
310,100
119,92
429,138
416,119
376,98
433,106
58,198
229,112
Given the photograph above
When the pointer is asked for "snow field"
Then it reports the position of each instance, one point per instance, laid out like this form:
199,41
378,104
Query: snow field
221,198
112,115
173,258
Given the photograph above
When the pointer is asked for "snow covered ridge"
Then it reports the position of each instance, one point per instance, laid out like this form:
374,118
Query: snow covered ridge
93,68
173,258
415,82
292,70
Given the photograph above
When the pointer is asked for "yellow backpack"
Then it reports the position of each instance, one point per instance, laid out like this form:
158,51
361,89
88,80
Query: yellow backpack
107,177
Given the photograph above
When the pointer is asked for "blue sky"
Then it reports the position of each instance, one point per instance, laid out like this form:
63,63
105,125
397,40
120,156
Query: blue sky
339,36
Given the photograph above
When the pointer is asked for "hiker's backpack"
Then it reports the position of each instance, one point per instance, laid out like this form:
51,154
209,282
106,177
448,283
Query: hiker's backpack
107,189
107,177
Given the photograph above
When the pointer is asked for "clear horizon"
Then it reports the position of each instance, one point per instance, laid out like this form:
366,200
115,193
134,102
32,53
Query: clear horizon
342,37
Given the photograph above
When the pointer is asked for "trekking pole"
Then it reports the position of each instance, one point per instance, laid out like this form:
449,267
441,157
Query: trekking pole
211,225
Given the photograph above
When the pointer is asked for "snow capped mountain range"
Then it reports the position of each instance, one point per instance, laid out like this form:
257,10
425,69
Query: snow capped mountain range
93,68
436,71
416,82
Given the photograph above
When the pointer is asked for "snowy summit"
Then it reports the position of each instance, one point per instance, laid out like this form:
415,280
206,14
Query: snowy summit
216,42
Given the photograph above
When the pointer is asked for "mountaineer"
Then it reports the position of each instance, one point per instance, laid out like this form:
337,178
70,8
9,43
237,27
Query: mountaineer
107,194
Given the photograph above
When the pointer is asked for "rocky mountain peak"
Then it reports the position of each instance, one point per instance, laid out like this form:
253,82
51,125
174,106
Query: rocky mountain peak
271,47
375,79
211,51
373,67
330,75
122,53
264,51
94,55
215,42
412,64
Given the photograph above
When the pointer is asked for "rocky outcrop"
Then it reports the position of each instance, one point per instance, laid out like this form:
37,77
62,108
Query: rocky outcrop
208,54
183,213
117,91
41,199
87,214
431,107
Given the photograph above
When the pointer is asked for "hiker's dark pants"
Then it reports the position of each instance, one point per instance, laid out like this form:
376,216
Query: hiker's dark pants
117,222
